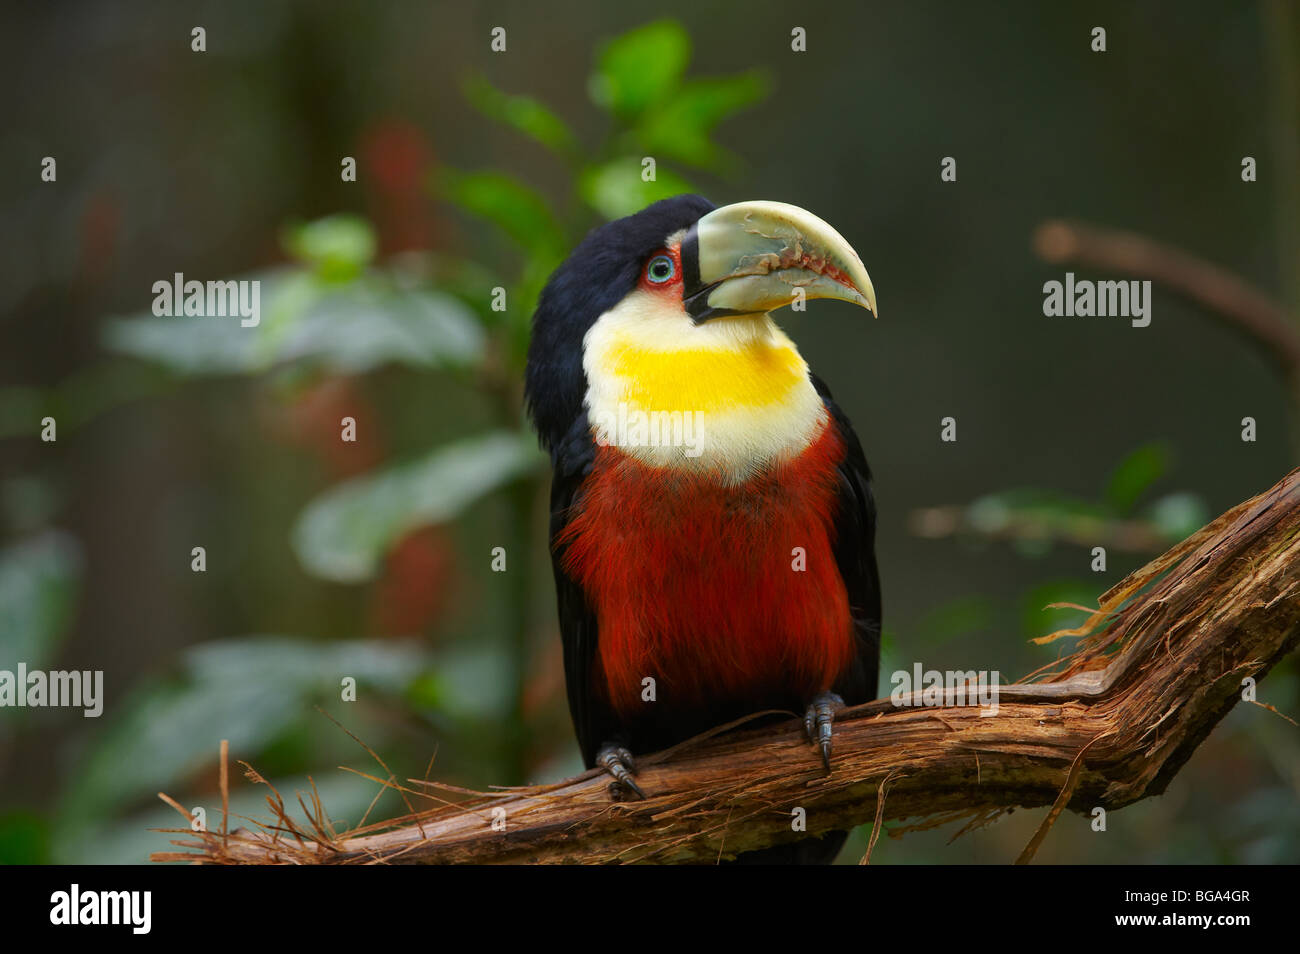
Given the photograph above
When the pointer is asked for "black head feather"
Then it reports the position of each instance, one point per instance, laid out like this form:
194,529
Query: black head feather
599,274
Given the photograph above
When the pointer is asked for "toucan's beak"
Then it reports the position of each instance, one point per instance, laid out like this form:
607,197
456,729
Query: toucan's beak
751,257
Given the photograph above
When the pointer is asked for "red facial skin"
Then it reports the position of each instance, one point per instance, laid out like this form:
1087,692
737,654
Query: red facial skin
694,582
671,289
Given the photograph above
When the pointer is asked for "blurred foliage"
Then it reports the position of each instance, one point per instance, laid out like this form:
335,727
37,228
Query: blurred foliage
1134,474
38,585
251,691
1035,520
334,310
344,534
654,111
332,313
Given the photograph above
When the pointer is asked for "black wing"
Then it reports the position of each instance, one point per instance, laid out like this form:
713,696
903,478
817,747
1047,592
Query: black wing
594,723
855,554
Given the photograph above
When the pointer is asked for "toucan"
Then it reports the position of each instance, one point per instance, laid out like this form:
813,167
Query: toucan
712,521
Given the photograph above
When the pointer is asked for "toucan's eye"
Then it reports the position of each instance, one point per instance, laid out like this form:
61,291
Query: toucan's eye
660,269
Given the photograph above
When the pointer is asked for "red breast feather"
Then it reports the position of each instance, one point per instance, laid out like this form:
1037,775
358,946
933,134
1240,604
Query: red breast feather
695,583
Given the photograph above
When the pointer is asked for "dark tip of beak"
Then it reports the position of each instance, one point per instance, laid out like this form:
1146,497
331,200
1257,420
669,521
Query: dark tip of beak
697,306
690,258
695,294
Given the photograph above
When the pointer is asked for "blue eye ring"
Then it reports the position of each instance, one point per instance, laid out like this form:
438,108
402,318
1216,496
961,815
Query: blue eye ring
660,269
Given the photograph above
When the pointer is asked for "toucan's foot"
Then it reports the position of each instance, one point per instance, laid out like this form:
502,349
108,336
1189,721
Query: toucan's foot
618,762
819,720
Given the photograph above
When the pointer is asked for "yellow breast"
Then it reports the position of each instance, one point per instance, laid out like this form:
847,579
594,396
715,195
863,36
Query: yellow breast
706,379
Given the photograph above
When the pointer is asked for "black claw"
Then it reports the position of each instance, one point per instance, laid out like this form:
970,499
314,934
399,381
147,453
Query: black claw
625,790
618,762
819,721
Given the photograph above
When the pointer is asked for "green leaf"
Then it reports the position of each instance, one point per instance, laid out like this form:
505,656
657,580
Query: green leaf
515,208
469,281
465,684
197,346
24,839
640,68
616,188
522,113
78,399
1134,474
1178,516
961,617
343,534
249,691
38,589
888,642
351,328
368,326
679,127
337,248
288,302
532,279
21,410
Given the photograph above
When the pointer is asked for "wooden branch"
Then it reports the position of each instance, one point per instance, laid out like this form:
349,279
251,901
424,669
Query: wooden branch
1228,297
1157,667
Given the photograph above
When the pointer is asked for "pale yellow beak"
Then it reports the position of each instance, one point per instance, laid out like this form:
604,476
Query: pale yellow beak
754,257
